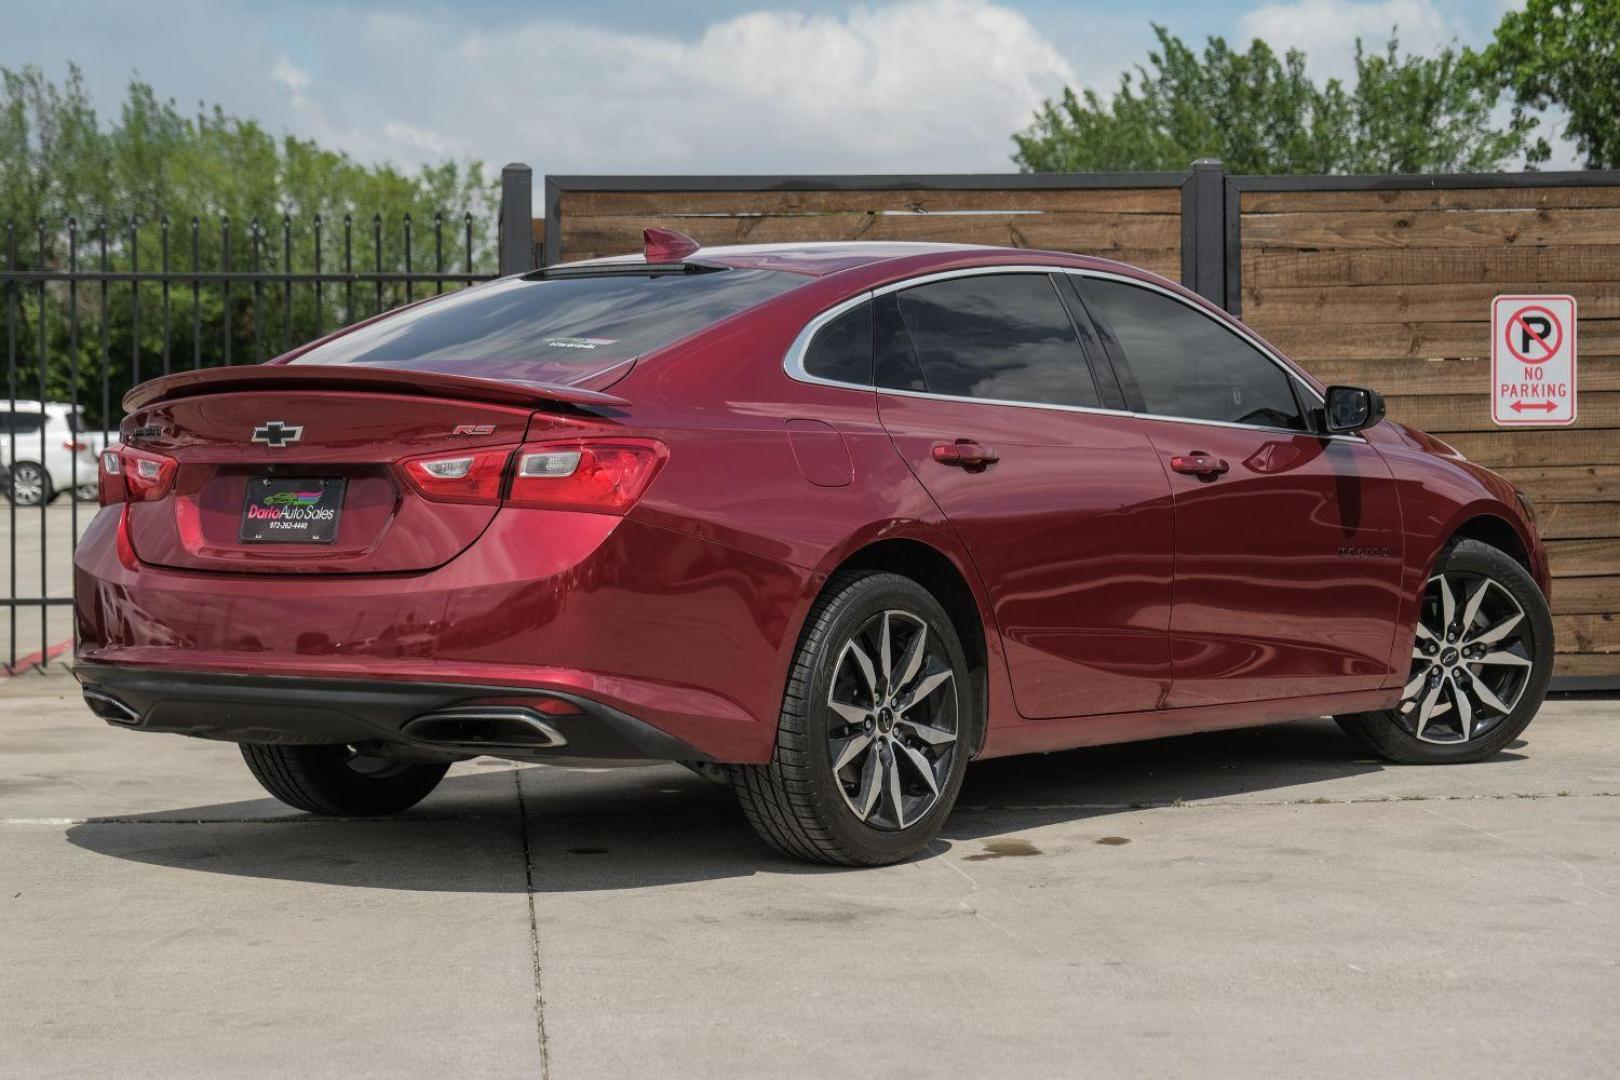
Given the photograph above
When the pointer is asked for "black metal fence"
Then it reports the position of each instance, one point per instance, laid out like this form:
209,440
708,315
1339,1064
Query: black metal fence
91,308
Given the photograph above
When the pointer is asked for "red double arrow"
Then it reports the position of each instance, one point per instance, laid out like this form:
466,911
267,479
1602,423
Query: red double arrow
1547,406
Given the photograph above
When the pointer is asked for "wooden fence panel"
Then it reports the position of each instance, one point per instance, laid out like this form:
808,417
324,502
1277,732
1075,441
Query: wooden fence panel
1392,289
1140,225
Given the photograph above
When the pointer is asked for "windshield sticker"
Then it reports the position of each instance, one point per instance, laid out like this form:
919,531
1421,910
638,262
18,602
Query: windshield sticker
578,342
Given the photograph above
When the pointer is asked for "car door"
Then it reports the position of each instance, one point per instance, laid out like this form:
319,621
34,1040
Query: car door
1287,542
990,395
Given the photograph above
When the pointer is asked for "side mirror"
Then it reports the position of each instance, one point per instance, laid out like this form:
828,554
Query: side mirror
1350,408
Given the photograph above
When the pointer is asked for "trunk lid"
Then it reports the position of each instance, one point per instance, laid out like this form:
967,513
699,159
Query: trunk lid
232,429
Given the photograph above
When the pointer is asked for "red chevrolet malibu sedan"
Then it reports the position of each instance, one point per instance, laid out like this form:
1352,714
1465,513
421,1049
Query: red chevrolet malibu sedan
829,520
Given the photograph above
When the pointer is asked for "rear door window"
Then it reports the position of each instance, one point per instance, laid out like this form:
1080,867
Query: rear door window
995,337
557,329
1188,365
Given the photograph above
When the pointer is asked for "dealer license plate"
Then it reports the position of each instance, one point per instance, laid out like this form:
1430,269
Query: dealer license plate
281,510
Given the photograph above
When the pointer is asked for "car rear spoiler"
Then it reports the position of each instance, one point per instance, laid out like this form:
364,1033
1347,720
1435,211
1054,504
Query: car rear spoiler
353,377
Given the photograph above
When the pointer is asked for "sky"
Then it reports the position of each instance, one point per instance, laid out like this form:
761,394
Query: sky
618,86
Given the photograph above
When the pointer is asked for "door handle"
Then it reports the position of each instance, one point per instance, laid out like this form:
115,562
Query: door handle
1199,464
965,454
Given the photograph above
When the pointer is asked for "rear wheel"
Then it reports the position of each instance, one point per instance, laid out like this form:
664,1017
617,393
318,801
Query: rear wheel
875,729
1481,662
340,781
30,484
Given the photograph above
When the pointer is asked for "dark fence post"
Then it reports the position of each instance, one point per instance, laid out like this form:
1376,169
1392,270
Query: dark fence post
1234,247
551,250
517,216
1203,231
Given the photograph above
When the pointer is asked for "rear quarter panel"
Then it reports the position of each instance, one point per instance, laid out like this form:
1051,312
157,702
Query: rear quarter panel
730,416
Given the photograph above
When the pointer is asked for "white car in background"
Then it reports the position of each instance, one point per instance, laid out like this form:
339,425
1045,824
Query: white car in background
35,469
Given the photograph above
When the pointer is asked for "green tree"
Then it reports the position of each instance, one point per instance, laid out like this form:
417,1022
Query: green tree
218,193
1262,113
1564,53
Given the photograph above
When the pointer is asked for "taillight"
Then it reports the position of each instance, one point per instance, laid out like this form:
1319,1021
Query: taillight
605,477
110,477
471,477
147,476
130,475
74,446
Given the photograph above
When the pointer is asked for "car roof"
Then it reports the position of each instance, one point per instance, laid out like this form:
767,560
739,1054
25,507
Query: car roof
820,259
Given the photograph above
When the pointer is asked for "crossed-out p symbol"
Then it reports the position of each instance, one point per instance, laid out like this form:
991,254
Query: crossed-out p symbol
1533,331
1534,335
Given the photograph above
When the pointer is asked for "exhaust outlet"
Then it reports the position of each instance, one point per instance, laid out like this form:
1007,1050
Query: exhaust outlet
485,727
110,708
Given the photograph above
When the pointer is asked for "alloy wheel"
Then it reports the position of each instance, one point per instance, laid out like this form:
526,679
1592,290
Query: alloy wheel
27,485
1471,660
892,732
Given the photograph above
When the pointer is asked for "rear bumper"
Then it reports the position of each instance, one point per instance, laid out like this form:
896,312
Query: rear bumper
302,710
688,636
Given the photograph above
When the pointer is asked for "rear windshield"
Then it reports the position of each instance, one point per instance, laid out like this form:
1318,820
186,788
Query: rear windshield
558,330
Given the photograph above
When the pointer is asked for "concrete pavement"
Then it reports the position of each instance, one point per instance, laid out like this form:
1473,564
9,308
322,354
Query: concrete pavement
1262,903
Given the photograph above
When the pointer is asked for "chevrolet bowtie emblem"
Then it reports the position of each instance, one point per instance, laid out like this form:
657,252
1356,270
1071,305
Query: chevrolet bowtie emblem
276,433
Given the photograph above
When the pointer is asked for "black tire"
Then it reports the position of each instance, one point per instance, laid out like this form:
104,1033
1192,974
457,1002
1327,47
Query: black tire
797,802
335,781
1351,724
1388,735
34,484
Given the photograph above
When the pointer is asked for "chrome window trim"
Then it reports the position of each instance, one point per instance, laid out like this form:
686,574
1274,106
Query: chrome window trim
1097,409
793,361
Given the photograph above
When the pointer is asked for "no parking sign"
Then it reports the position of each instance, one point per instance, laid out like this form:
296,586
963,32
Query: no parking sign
1533,360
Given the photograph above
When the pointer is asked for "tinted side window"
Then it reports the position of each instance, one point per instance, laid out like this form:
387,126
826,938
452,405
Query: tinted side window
842,349
1004,337
1186,364
19,423
896,364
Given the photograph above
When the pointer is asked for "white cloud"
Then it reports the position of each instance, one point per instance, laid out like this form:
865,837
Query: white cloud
288,74
923,85
310,115
419,140
1327,29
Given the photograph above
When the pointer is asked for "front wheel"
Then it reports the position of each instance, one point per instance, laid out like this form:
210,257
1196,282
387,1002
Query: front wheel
1481,661
875,732
340,781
